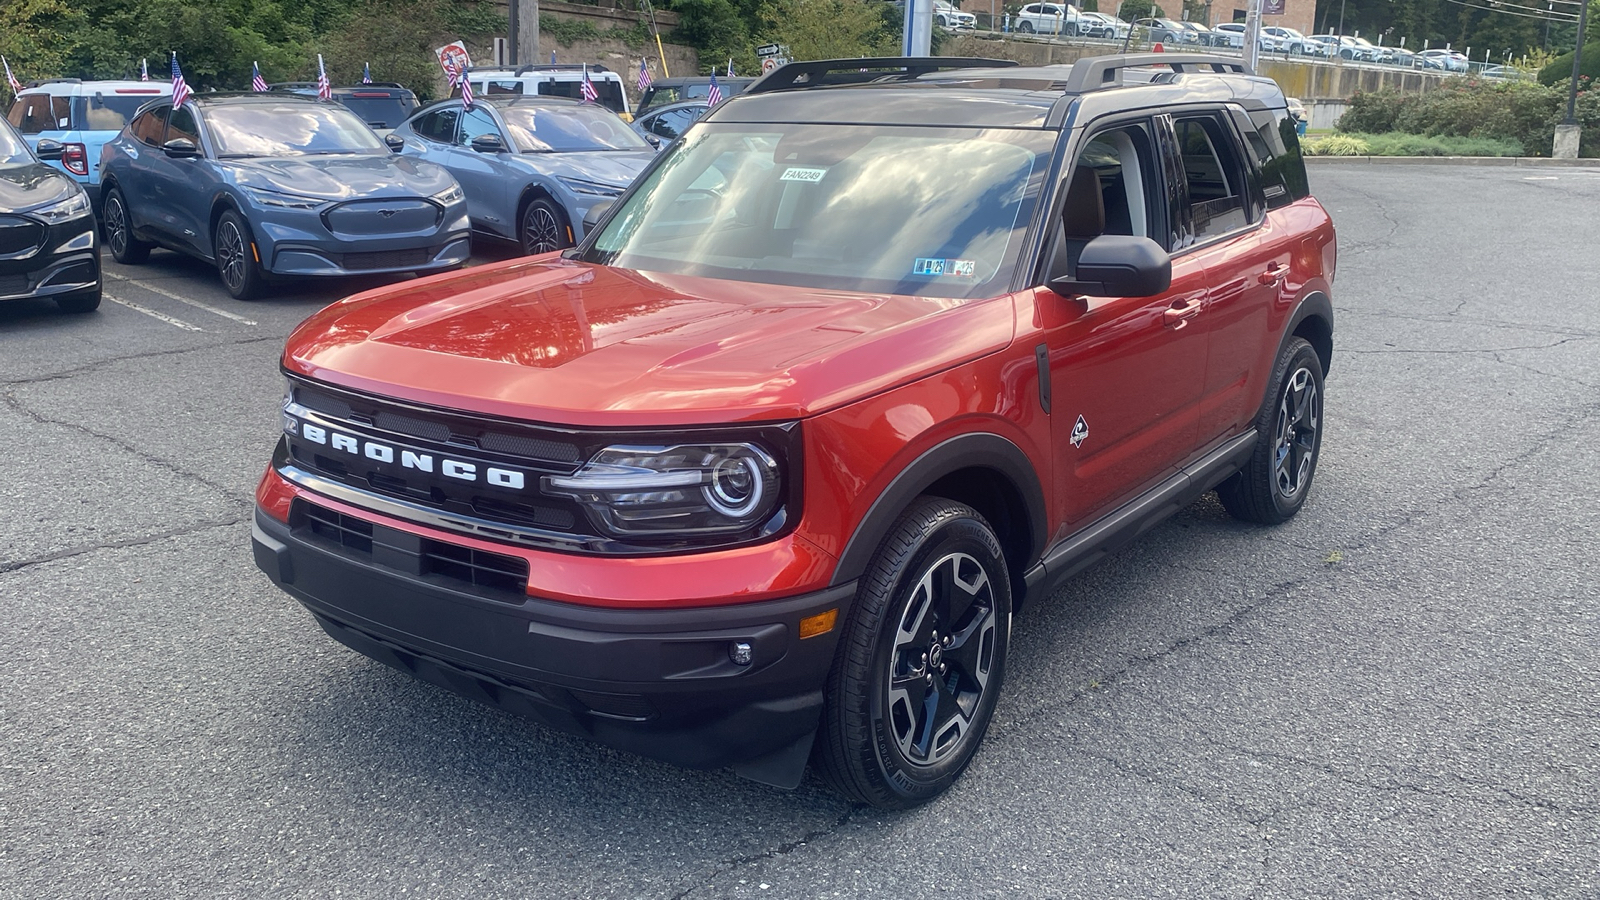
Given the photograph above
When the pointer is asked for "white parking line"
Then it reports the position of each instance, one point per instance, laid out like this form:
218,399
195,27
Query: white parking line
195,303
176,323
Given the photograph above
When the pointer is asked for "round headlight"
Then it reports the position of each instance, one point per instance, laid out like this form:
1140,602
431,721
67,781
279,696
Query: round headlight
735,488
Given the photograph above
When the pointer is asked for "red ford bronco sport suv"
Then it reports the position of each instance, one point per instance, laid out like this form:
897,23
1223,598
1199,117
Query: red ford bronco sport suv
878,352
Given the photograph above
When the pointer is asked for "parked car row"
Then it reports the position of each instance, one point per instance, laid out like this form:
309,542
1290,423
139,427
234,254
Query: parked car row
48,243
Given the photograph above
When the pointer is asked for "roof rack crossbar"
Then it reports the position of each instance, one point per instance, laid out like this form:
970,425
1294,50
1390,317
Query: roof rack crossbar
1098,72
816,73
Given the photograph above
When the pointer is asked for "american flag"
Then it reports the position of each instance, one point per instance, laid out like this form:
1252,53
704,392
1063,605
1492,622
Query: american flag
366,73
257,83
457,78
730,67
16,87
144,70
714,94
324,89
589,95
644,75
180,88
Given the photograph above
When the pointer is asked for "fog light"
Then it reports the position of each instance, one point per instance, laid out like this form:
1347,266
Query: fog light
741,653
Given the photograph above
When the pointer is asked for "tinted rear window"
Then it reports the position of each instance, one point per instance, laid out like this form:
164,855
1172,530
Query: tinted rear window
609,92
102,112
377,108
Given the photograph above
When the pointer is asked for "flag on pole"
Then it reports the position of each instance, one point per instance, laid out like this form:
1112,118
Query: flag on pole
713,93
455,61
324,89
257,83
144,70
366,73
730,67
644,75
588,91
180,88
16,88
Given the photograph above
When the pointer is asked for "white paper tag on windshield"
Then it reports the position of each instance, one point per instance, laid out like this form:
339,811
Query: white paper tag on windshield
810,176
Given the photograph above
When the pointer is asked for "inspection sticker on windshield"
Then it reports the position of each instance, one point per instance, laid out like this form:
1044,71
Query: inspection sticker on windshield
956,268
795,173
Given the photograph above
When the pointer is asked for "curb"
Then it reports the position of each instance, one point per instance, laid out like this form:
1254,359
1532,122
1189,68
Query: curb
1504,161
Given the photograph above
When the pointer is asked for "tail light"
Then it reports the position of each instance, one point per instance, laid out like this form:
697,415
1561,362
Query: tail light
75,157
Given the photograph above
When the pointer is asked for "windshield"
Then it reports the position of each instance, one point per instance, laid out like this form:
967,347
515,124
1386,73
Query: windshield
12,149
380,109
857,208
567,129
288,129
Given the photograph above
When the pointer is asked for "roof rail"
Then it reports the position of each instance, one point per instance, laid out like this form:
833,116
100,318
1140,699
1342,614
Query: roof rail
1098,72
561,67
44,81
818,73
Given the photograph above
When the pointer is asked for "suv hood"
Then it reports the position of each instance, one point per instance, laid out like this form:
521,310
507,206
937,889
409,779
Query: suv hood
615,168
562,342
342,176
32,184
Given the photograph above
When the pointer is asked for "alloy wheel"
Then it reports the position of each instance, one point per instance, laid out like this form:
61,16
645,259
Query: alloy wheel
230,256
941,660
116,226
541,232
1299,416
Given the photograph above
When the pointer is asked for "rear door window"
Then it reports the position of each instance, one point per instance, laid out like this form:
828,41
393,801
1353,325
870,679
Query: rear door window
1218,199
439,125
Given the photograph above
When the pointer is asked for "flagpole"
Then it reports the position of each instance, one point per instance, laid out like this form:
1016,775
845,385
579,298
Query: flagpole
660,50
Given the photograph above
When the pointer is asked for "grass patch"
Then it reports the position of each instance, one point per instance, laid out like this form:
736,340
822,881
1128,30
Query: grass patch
1397,143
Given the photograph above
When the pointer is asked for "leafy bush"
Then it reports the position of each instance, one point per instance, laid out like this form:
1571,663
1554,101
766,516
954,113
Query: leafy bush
567,32
1516,112
1335,145
1560,68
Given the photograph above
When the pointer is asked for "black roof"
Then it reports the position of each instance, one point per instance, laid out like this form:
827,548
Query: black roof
990,93
681,80
504,100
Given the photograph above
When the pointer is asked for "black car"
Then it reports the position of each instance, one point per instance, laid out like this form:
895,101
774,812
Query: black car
48,244
381,104
693,87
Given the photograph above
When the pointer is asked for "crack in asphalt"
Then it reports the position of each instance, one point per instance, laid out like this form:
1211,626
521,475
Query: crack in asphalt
1469,350
227,494
152,354
731,865
1452,318
8,567
1394,225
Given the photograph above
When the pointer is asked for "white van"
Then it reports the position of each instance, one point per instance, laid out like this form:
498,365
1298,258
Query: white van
564,80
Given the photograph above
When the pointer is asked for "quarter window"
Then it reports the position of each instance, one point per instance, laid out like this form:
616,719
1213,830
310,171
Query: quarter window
1276,145
439,125
36,113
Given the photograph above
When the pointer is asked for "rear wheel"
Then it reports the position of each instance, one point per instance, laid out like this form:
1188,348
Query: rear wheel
1273,485
1025,28
125,248
921,661
236,257
543,228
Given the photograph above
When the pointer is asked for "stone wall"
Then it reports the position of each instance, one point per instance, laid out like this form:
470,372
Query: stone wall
612,52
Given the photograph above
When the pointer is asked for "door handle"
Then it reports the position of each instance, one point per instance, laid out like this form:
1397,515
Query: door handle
1273,274
1181,312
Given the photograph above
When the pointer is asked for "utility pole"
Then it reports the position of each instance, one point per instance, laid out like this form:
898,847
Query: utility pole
1341,18
1568,132
1252,35
917,37
523,46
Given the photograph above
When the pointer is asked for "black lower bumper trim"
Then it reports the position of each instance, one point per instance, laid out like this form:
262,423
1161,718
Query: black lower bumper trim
657,682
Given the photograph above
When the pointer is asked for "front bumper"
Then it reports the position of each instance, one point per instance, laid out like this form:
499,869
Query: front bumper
657,682
332,258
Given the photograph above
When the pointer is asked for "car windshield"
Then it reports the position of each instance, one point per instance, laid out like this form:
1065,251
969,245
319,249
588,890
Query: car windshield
568,129
857,208
288,129
12,148
380,109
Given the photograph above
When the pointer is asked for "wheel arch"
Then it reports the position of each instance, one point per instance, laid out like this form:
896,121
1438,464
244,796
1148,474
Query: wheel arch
983,470
1313,321
537,191
220,204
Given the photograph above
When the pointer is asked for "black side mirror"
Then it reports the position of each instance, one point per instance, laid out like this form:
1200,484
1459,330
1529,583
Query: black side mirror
180,148
653,140
396,142
488,143
597,212
49,150
1118,265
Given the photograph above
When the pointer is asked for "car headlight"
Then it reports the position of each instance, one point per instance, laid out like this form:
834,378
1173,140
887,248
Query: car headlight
597,188
449,195
282,200
62,210
684,489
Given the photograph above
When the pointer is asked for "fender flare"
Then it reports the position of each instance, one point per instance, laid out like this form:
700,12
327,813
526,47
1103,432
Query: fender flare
975,450
1316,304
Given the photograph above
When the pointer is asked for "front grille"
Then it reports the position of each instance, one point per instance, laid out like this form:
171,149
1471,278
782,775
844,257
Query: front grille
496,576
19,236
387,259
13,284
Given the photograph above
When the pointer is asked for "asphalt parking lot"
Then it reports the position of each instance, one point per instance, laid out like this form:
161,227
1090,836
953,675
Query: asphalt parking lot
1393,695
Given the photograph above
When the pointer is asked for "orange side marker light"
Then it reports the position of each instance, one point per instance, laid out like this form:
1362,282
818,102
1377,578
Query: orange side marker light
821,623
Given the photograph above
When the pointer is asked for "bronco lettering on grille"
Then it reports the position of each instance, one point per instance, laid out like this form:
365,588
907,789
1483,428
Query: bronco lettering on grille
408,459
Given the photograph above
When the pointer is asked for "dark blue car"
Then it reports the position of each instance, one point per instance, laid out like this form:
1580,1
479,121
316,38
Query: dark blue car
276,185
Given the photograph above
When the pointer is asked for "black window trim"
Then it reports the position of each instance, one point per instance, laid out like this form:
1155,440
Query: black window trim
1181,194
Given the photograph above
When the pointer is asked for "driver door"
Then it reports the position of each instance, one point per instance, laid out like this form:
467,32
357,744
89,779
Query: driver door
492,188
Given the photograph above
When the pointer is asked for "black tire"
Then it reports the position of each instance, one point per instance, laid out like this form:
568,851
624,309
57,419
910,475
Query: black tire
236,257
542,228
1273,485
81,302
906,645
124,247
1025,28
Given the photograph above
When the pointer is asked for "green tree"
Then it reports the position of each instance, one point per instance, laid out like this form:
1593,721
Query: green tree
37,37
832,29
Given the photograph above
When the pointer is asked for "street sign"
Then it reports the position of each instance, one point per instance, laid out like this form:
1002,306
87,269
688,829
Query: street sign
768,64
766,50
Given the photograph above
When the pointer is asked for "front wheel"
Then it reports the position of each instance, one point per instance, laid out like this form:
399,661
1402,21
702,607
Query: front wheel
81,302
921,660
125,248
1025,28
1273,485
236,257
543,228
